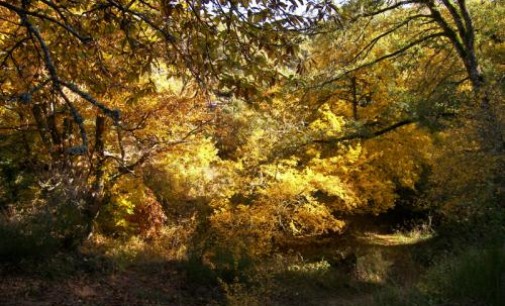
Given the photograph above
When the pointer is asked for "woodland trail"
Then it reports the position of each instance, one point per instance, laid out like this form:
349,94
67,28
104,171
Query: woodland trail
359,266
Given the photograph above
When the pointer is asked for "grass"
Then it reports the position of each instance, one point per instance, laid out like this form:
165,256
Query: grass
414,236
170,245
474,277
370,270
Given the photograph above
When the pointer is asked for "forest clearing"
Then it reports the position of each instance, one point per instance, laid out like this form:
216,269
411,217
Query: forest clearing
266,152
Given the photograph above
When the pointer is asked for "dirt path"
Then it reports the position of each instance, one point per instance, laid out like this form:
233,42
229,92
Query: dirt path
373,259
161,285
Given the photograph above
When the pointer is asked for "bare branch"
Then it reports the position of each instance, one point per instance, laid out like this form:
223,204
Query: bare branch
77,119
12,49
46,54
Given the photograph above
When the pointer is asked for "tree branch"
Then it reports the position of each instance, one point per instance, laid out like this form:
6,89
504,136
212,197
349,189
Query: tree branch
9,52
114,114
449,32
389,8
456,17
168,36
365,135
21,11
372,43
382,58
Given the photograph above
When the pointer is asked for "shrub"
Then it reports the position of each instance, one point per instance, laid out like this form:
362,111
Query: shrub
42,223
372,267
132,210
20,241
475,277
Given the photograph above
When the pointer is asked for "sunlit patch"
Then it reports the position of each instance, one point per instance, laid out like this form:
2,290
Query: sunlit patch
310,268
414,236
372,267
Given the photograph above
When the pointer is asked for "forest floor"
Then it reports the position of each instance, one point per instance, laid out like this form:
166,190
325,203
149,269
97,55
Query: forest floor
350,271
162,285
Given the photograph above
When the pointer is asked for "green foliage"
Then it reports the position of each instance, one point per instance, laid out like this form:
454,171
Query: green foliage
45,219
240,138
26,241
473,276
476,276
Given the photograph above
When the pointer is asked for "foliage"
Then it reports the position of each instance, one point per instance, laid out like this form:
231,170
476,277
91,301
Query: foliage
25,241
476,276
133,213
224,134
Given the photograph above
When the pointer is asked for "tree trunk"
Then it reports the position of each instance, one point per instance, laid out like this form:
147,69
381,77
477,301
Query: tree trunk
96,199
462,37
354,99
42,128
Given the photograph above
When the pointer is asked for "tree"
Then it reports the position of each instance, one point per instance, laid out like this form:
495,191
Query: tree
441,21
440,47
72,70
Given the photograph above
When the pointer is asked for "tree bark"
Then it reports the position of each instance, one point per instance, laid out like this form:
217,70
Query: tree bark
96,198
42,128
463,40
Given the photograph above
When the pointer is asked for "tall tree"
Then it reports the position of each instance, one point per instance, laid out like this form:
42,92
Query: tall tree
70,68
442,21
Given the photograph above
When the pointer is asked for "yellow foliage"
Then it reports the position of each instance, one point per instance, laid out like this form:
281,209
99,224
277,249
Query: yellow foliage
187,171
328,123
133,209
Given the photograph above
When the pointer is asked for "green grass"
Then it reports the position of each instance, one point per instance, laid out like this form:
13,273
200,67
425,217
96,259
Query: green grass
475,277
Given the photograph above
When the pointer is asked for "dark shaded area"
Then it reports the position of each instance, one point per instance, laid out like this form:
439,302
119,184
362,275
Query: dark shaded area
75,279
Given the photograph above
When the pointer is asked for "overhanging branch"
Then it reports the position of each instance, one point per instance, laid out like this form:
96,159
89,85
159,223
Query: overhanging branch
368,134
382,58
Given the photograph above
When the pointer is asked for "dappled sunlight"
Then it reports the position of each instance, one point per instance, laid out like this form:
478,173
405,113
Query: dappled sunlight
373,267
252,152
172,244
398,238
318,267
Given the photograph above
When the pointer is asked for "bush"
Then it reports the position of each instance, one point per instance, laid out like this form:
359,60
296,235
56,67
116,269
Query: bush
132,210
45,220
199,273
475,277
20,241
